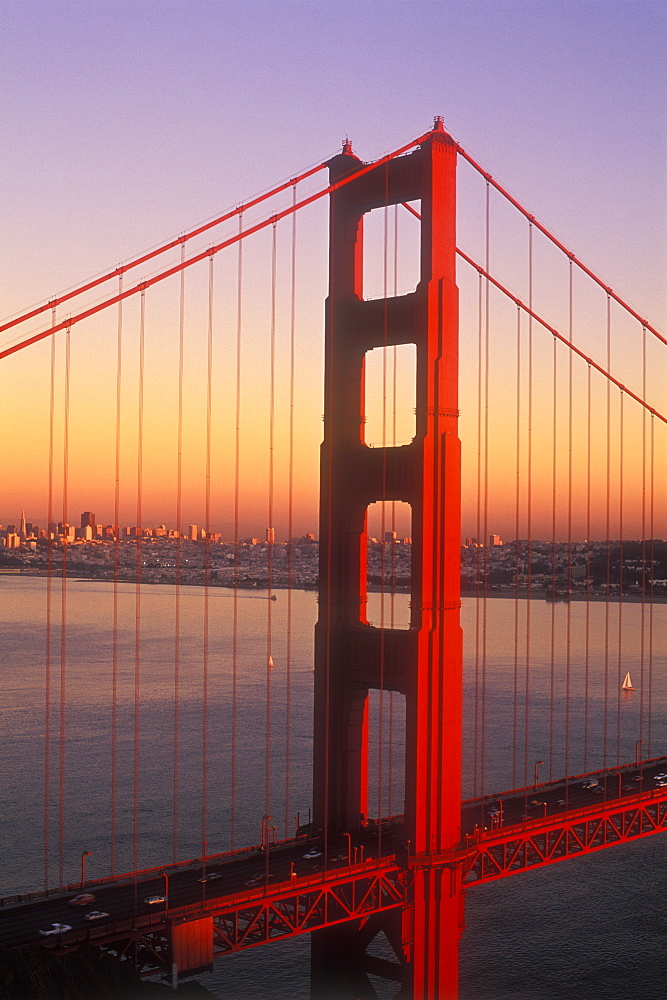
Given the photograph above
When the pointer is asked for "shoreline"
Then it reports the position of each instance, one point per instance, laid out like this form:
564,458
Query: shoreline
508,593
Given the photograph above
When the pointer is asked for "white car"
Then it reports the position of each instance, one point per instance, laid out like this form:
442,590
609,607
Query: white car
313,854
96,915
56,929
591,783
152,900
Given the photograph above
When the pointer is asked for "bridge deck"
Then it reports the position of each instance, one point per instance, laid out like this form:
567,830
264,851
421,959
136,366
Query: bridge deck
254,896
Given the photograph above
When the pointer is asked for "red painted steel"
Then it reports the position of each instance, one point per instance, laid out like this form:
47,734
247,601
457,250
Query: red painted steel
544,841
351,657
190,946
192,935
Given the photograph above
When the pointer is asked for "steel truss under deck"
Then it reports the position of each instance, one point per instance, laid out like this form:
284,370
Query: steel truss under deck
526,846
247,920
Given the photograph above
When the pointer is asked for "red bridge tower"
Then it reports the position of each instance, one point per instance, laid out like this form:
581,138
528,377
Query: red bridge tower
424,663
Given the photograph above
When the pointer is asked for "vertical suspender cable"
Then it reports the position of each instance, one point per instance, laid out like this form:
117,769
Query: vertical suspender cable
529,499
392,622
651,585
608,545
327,543
49,570
237,468
137,605
63,615
643,549
620,585
207,564
485,524
588,566
570,438
554,456
290,528
177,589
269,612
478,568
116,557
383,533
517,507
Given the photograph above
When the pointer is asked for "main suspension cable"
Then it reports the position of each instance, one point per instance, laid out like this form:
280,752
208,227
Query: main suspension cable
550,236
203,254
184,238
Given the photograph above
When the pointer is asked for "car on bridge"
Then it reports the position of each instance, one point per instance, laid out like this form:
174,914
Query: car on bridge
258,879
96,915
83,899
152,900
56,929
210,876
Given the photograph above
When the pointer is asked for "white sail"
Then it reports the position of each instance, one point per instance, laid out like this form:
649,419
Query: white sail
271,662
627,683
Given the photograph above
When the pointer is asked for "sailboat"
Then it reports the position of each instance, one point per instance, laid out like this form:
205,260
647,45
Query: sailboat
270,662
627,683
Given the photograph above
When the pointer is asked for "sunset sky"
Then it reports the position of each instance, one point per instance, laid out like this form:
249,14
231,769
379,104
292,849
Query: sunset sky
126,123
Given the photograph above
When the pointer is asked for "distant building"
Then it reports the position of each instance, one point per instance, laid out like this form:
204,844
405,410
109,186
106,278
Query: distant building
495,540
88,519
270,535
192,532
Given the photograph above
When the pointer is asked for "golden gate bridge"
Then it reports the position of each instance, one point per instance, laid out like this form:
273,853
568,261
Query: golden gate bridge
552,382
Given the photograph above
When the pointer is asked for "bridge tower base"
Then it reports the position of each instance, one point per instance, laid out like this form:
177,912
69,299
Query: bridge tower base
352,657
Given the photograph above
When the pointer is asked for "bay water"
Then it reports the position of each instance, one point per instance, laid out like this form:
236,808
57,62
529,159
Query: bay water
594,927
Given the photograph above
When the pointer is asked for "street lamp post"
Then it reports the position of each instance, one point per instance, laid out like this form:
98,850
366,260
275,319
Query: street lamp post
537,771
203,862
349,848
637,745
84,855
166,889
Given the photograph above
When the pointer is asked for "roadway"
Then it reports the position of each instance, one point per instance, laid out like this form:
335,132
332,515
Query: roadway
253,871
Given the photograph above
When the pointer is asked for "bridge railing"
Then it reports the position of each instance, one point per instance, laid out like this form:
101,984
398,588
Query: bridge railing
573,779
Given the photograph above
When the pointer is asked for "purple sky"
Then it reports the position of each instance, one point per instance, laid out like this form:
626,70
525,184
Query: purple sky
125,123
